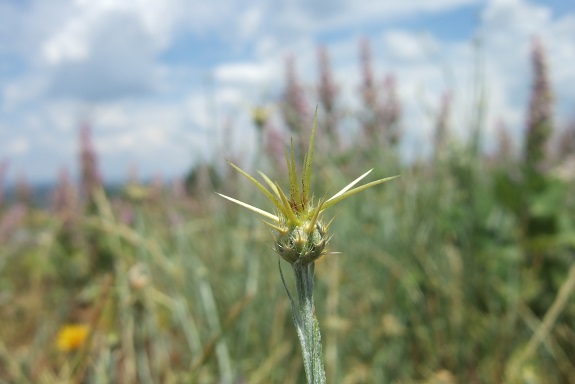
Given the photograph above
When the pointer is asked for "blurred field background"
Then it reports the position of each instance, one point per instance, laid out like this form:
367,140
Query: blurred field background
461,271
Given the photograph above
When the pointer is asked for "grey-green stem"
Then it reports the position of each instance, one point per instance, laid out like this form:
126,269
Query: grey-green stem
306,323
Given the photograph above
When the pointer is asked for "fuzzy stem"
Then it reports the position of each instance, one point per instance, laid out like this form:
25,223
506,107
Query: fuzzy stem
307,324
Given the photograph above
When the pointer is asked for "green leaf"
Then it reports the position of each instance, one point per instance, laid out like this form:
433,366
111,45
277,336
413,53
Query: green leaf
259,185
287,210
252,208
352,192
346,188
293,179
308,161
270,184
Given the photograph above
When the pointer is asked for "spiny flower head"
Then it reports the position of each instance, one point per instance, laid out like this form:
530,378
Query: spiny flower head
300,234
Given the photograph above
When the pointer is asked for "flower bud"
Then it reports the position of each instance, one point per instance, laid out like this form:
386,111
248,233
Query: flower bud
301,244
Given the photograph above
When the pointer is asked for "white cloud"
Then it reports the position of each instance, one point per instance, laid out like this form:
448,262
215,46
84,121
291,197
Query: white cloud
119,61
509,27
244,73
403,45
156,17
249,22
101,61
230,96
16,146
20,91
68,44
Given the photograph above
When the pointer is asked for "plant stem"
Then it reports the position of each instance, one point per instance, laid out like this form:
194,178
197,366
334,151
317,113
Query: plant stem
306,323
542,332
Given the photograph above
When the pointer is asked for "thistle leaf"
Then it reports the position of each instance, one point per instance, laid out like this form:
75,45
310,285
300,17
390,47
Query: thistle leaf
352,192
259,185
287,210
293,179
273,226
315,216
350,185
308,161
252,208
270,184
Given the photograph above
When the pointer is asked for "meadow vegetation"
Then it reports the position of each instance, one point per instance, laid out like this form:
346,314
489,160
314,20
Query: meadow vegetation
460,271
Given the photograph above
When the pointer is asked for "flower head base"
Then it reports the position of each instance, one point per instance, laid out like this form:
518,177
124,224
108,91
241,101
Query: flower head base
302,244
300,235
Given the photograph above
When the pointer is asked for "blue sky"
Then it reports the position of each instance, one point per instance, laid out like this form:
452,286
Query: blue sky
160,81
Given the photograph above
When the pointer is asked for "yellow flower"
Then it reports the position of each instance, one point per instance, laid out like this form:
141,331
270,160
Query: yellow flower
300,234
71,337
260,116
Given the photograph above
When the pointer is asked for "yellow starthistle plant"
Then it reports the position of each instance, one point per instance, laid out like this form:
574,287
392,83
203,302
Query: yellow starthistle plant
300,234
300,237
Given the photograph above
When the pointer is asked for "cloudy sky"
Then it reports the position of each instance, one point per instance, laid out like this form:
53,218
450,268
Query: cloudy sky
162,82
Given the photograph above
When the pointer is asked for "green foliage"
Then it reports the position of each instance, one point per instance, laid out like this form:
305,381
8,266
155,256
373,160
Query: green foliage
437,279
